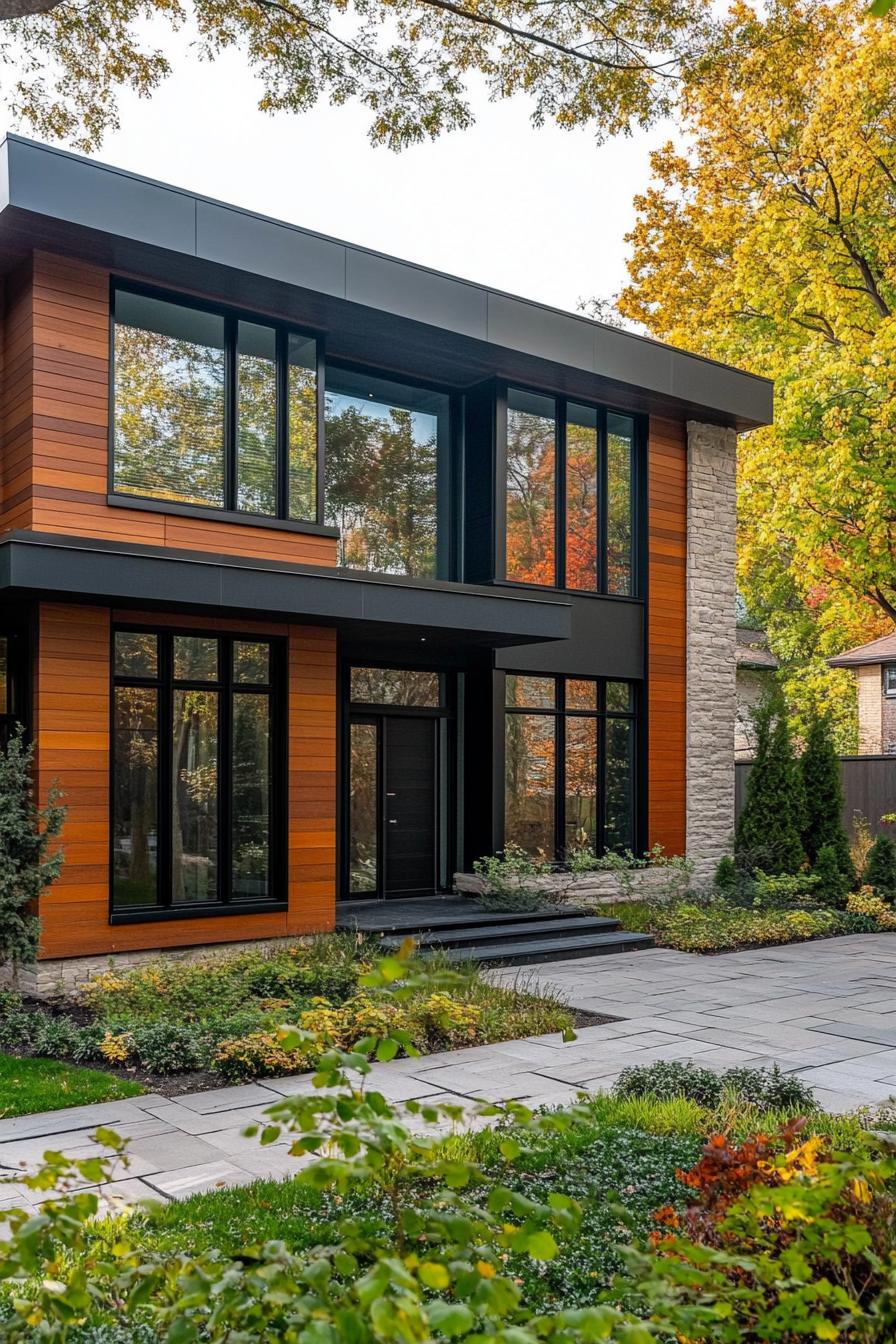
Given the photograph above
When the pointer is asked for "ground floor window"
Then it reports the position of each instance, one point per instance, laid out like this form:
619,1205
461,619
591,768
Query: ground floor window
196,780
569,755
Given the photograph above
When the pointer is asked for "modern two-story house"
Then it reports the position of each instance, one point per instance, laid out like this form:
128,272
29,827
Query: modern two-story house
324,574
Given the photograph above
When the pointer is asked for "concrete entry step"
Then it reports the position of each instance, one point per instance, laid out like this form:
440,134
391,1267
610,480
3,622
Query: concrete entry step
528,952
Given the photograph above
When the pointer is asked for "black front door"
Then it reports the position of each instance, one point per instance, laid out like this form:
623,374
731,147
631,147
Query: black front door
393,802
409,751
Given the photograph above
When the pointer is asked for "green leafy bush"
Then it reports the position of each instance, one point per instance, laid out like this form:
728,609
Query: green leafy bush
833,884
506,888
770,826
880,870
823,792
717,926
30,861
163,1048
766,1089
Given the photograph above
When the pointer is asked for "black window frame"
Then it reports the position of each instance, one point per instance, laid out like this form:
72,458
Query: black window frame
228,511
15,712
560,711
165,684
888,671
638,493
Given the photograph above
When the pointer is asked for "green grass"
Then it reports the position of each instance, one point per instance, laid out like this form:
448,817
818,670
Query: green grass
28,1085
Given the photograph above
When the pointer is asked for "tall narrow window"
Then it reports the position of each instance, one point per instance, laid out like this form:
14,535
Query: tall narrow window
169,400
531,488
582,495
386,454
569,765
620,450
195,789
213,410
256,420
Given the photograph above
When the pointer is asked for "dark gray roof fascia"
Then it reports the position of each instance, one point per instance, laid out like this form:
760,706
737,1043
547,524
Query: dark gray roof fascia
39,180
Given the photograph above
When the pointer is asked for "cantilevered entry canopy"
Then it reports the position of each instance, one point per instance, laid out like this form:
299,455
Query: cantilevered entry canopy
380,607
432,324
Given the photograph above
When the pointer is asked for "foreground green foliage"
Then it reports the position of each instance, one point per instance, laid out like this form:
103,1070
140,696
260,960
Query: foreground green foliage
28,1085
222,1013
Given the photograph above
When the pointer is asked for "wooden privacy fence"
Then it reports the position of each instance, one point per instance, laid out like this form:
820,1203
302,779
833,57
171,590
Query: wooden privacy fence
869,787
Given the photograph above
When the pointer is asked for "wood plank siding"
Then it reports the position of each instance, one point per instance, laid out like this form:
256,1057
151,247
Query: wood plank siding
667,633
72,726
60,333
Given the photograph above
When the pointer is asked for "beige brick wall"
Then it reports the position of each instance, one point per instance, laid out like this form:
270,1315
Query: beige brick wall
868,682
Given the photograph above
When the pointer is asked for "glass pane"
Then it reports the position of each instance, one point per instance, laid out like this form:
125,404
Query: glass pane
581,694
302,401
251,797
135,802
581,782
581,498
530,692
136,654
383,445
195,658
529,782
169,401
256,424
620,446
395,686
530,488
4,675
363,808
620,783
619,697
194,820
251,661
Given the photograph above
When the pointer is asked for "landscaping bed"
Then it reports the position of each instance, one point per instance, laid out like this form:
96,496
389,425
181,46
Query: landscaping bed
178,1026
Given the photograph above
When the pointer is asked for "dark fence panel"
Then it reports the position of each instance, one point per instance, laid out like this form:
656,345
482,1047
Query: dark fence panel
869,787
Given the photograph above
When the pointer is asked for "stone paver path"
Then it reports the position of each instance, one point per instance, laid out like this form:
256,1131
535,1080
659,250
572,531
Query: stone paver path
824,1010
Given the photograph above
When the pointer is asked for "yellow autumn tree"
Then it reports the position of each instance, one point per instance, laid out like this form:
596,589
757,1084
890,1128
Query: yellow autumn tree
767,240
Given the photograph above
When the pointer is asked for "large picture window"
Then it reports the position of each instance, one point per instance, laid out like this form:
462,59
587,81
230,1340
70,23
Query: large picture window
570,500
196,785
386,487
212,411
569,765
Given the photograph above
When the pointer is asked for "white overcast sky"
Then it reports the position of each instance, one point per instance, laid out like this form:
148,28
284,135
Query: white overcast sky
541,213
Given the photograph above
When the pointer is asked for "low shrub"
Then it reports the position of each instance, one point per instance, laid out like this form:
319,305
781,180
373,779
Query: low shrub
55,1037
867,902
766,1089
164,1048
505,877
259,1055
880,870
833,884
715,925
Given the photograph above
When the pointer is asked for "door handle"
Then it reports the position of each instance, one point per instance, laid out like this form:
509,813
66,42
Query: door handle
393,821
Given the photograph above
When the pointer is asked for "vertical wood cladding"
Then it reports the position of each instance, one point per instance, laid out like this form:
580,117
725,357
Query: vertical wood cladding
16,472
72,721
667,633
58,344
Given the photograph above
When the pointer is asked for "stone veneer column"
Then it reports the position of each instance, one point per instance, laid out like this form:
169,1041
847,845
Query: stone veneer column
711,696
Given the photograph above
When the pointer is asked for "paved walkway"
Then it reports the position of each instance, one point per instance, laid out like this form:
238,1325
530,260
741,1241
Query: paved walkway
824,1010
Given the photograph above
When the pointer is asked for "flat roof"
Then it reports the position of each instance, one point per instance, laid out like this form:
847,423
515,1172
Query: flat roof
52,198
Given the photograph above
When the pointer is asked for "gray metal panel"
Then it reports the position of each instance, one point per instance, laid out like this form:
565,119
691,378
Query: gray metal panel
99,197
629,359
607,641
424,296
540,331
235,238
704,383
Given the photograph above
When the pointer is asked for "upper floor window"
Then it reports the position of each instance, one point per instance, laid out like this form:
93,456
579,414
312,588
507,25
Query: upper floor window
570,497
890,679
213,411
386,476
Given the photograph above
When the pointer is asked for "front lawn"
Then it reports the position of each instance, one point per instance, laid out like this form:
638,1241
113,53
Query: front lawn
28,1085
182,1026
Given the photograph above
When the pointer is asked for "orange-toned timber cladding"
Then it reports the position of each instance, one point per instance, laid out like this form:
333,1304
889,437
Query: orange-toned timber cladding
57,354
72,691
667,633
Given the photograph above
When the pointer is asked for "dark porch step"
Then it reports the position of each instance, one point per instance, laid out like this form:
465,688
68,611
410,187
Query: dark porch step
516,930
530,952
377,917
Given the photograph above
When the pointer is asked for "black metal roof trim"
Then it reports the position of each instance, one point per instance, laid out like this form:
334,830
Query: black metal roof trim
68,189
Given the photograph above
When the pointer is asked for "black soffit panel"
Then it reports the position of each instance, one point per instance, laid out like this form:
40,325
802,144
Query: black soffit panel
77,569
50,197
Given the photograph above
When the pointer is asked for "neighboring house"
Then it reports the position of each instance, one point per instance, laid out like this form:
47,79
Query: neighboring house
755,664
874,665
324,573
